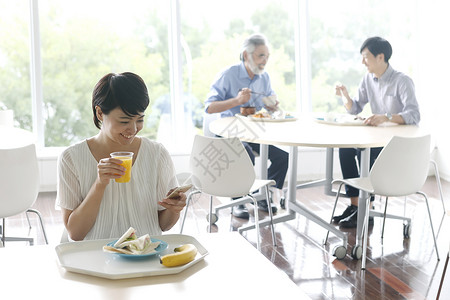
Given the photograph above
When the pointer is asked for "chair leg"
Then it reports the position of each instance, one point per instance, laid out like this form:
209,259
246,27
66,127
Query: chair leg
188,201
28,219
2,231
431,224
210,212
438,182
334,208
366,233
442,278
384,217
274,241
13,239
258,234
40,220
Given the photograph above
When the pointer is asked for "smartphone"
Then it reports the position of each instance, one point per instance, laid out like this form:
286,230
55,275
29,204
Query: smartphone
183,189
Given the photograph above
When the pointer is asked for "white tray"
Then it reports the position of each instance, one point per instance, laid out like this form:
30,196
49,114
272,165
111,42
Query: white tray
88,257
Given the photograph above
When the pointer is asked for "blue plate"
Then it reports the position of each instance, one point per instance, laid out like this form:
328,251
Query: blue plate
162,246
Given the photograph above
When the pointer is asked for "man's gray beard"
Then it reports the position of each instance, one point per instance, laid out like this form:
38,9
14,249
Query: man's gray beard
254,67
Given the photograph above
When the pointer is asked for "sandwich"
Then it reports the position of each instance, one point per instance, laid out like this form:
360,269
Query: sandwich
129,243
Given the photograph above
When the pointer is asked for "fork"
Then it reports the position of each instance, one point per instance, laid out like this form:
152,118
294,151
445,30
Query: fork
257,93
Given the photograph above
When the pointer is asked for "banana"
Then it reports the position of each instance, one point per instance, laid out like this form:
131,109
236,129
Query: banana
183,254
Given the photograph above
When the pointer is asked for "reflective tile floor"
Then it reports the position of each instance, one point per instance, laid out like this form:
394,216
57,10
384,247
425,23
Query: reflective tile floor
396,268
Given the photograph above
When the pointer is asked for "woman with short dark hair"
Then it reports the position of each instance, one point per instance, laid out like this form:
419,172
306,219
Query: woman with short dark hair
93,205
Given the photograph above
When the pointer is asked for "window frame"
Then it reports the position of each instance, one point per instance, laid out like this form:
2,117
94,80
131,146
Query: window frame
302,63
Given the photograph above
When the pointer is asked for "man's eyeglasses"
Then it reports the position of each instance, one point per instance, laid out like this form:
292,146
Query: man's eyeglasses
262,56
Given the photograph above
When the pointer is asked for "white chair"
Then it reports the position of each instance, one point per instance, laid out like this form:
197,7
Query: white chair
19,186
221,167
400,170
208,118
438,183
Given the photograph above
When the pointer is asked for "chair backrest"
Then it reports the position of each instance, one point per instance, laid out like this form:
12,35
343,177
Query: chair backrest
402,166
208,118
19,180
221,166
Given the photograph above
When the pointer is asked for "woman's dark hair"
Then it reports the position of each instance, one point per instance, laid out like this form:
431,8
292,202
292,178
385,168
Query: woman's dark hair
377,45
125,90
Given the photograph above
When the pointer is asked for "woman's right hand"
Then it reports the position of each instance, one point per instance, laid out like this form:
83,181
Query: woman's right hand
109,168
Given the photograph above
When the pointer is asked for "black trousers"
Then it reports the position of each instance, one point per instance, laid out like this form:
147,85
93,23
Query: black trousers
279,162
349,165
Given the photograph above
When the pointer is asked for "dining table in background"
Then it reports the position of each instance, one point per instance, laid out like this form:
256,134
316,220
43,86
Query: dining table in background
233,268
13,137
306,131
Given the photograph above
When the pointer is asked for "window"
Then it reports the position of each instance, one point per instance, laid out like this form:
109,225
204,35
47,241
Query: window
15,62
211,37
83,40
337,33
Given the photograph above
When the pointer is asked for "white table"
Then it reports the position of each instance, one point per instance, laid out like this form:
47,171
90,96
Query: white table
233,269
307,132
12,137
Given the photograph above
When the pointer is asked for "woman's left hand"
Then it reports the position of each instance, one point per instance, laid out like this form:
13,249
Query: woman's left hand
176,204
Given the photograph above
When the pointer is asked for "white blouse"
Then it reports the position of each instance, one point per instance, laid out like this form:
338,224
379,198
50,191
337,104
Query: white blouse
134,203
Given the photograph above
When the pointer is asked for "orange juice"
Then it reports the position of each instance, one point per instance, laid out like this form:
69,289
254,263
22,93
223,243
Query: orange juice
127,160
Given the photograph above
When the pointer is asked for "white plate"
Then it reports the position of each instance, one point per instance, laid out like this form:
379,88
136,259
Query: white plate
287,119
342,122
88,257
162,246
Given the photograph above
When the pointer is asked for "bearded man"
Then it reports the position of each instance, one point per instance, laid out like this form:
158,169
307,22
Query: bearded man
245,84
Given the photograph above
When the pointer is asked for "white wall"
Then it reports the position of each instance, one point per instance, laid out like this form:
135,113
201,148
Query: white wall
434,67
47,167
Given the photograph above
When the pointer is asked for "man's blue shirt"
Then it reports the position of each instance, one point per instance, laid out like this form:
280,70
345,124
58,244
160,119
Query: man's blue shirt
231,80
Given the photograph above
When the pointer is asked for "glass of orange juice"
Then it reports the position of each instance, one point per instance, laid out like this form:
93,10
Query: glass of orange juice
127,160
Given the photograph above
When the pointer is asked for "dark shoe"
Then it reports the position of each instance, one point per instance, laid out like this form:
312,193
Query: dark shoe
347,212
352,221
262,205
241,211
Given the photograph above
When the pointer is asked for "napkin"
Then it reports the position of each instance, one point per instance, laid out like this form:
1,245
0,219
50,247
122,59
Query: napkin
129,243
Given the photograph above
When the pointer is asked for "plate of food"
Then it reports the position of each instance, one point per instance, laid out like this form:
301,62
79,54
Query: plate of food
263,116
130,246
342,120
88,257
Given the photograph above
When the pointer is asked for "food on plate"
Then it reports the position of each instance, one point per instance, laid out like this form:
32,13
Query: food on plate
129,235
130,244
181,256
288,116
261,115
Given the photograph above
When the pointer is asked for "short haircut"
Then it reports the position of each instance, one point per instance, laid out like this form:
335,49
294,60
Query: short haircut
125,90
377,45
251,43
